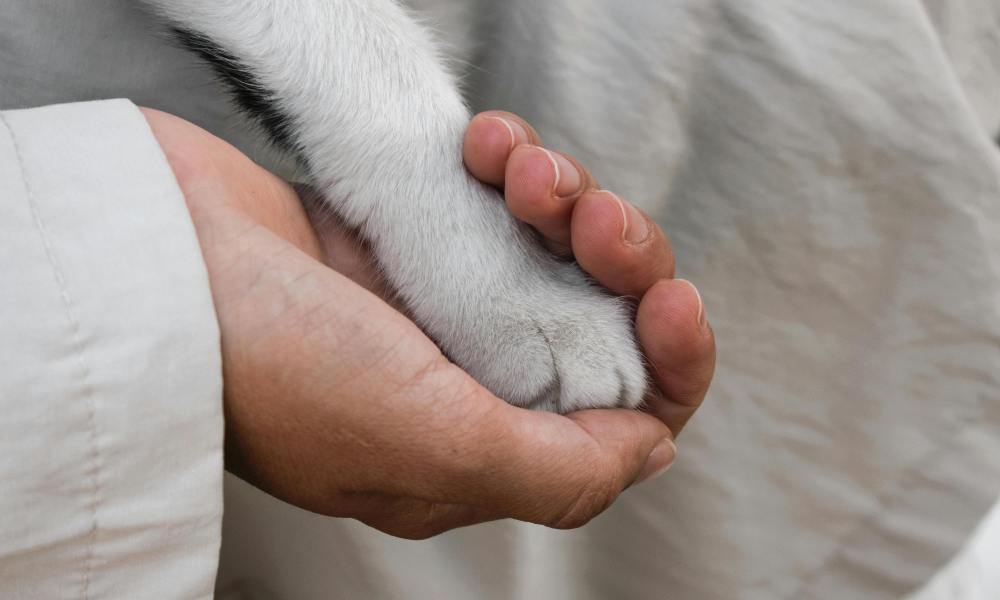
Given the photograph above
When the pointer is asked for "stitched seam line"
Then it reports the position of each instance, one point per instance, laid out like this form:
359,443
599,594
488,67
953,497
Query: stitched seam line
79,350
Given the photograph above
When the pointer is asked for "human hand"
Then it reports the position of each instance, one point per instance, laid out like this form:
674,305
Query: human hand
337,403
614,242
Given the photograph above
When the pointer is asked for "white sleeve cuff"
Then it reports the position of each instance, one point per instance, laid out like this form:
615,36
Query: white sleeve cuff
110,369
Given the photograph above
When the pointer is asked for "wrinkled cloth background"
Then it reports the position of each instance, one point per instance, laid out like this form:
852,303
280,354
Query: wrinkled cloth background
829,177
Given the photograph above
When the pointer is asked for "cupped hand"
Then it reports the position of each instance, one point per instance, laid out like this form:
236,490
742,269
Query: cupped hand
337,403
614,242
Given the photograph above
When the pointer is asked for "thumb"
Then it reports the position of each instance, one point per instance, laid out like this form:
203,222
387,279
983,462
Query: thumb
559,471
613,450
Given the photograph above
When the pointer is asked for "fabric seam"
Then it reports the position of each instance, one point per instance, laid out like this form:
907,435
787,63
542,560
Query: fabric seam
79,351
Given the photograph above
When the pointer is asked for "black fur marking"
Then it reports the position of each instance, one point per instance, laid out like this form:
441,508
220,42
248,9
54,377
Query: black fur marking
248,92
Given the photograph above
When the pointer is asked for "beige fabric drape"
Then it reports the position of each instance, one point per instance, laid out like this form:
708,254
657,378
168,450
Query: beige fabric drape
828,176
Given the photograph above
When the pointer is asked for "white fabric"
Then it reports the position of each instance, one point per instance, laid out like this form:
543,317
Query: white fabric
975,573
828,176
110,375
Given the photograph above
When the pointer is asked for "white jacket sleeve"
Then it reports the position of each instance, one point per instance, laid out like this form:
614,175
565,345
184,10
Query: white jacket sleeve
110,369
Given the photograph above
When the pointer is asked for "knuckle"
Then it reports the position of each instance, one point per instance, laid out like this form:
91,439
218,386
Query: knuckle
591,499
660,261
646,263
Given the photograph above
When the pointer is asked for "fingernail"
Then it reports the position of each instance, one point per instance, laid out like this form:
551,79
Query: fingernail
635,226
568,179
660,460
701,305
517,133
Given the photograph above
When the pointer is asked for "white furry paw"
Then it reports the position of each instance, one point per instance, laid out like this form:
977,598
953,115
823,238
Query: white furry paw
534,330
554,341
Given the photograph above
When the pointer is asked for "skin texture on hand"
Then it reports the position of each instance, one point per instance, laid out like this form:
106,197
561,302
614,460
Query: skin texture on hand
339,404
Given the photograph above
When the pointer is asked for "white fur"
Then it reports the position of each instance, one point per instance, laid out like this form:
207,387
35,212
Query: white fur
380,122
